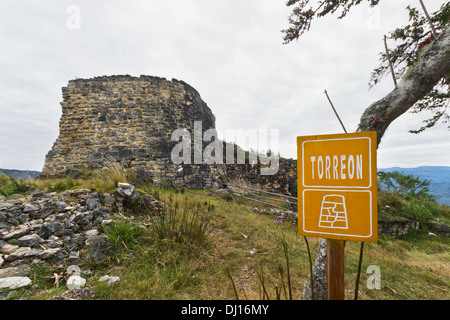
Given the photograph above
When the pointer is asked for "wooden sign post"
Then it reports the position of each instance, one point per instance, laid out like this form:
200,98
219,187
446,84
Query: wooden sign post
335,269
337,195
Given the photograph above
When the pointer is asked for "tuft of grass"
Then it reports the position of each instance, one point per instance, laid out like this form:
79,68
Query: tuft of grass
184,223
123,233
103,180
60,185
228,274
107,178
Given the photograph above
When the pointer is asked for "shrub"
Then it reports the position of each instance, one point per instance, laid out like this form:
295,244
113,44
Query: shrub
389,203
10,185
407,196
406,185
419,210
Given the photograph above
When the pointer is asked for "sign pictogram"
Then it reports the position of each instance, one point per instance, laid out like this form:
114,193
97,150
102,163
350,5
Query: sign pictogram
337,186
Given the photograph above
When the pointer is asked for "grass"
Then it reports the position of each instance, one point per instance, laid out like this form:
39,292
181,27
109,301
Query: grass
211,247
414,267
102,180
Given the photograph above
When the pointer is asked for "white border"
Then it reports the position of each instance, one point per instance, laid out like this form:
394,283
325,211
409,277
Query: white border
339,234
328,186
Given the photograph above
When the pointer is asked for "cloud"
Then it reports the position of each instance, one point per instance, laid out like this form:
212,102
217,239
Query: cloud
230,51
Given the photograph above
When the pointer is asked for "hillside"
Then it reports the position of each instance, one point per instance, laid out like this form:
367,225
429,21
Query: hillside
212,240
439,176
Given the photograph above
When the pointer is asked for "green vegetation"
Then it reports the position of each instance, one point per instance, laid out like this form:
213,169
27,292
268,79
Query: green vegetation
9,185
104,180
406,196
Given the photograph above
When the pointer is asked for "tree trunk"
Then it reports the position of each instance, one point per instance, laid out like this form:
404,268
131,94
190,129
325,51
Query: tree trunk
320,275
432,66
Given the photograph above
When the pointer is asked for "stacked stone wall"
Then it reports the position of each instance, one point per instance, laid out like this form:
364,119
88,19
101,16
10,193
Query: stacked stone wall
127,119
396,227
283,181
130,120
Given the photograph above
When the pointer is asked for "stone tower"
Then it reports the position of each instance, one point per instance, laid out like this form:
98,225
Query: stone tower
130,119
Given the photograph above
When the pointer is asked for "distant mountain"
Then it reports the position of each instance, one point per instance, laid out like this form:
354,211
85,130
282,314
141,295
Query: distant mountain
435,173
25,174
439,176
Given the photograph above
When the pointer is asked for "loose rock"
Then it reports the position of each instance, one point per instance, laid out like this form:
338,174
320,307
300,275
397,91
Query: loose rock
21,270
31,240
111,280
75,282
14,282
93,203
125,189
17,233
30,208
101,249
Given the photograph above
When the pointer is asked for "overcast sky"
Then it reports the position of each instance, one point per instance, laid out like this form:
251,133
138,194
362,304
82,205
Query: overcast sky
231,51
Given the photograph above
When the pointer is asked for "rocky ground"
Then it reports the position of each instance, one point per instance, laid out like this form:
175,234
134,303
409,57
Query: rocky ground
59,230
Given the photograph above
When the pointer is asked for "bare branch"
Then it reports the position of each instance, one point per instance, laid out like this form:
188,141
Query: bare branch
390,62
428,18
335,112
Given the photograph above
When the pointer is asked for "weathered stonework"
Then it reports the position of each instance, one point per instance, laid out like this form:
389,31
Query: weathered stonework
284,181
131,120
396,227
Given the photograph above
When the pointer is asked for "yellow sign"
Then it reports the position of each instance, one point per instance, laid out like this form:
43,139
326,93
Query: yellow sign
337,186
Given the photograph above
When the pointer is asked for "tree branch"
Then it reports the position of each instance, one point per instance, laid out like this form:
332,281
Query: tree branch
433,65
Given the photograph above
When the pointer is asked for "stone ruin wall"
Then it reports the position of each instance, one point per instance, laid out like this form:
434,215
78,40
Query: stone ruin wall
131,119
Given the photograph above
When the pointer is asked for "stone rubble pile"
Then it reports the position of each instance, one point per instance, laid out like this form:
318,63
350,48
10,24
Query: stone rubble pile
55,228
280,215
